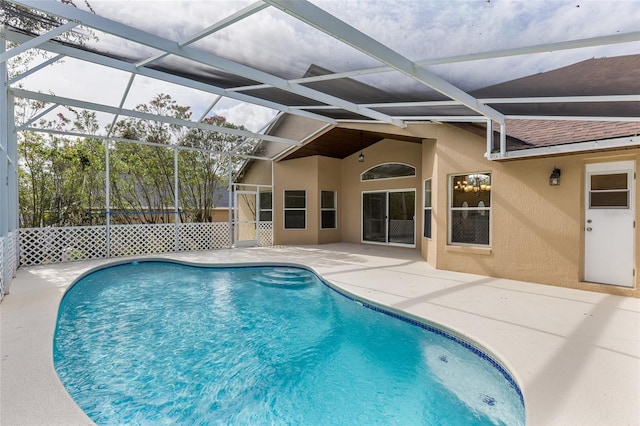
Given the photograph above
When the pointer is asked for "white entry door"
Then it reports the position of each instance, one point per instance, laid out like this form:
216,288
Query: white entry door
609,223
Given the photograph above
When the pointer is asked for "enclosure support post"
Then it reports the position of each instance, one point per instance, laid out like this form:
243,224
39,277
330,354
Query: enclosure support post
232,198
503,140
107,200
4,170
176,209
273,195
489,139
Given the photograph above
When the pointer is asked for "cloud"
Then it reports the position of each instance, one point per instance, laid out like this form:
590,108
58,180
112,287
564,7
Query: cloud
252,117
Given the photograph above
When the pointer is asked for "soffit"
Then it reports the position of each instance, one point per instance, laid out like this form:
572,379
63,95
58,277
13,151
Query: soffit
341,143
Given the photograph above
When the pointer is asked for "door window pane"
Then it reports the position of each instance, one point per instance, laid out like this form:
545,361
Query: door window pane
374,213
401,217
609,191
609,199
608,182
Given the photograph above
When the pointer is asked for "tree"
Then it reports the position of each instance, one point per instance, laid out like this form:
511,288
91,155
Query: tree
204,174
142,178
60,179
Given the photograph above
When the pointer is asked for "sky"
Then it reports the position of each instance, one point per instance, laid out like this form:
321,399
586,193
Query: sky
418,29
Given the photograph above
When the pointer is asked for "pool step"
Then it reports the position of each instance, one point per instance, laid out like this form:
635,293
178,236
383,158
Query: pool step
284,277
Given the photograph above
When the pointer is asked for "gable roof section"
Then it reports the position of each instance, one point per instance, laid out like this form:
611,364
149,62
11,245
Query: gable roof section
615,76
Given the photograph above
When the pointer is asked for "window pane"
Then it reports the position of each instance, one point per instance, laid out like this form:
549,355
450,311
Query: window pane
607,182
473,189
427,193
294,219
470,227
328,219
266,215
389,170
294,199
427,223
615,199
328,200
266,200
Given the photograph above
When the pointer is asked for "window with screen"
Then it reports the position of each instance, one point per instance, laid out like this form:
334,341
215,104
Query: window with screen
470,209
427,209
295,209
328,211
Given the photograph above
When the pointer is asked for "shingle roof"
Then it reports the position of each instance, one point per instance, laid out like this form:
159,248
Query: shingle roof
555,132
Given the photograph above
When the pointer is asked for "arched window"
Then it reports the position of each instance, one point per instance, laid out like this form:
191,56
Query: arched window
388,171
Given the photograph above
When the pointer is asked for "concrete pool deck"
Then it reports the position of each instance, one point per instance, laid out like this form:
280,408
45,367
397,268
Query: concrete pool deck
575,354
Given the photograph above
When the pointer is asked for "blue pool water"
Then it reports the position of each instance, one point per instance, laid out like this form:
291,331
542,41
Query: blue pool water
164,343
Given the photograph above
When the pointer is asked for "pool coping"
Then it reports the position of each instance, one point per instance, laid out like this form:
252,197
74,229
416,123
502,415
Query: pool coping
537,336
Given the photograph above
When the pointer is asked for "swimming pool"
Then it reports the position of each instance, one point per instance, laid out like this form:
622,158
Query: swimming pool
165,343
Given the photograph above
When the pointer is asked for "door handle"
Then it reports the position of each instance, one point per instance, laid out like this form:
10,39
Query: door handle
589,229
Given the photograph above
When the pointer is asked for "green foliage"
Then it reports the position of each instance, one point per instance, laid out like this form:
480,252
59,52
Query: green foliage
62,180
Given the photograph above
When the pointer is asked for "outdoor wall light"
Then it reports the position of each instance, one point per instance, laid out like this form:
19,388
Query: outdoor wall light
361,156
554,179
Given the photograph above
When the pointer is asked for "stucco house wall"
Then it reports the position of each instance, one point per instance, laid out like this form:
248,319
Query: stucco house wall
352,187
330,179
298,174
537,230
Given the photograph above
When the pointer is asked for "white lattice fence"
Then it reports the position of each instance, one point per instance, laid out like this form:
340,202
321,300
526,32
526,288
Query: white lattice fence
64,244
265,234
203,236
128,240
13,249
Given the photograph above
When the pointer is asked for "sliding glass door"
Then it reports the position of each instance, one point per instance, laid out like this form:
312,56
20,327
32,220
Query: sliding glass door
388,217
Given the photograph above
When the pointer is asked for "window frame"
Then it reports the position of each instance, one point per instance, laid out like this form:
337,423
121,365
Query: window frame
427,208
388,178
291,209
451,209
270,210
334,209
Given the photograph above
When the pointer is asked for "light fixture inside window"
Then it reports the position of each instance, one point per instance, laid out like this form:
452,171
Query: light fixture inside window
361,156
554,179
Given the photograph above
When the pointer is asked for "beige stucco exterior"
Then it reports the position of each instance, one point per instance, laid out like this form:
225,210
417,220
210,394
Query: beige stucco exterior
537,230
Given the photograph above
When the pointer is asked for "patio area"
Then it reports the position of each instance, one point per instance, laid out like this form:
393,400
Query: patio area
575,354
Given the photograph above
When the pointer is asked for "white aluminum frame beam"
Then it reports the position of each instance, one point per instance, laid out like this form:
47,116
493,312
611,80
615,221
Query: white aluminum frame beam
329,24
491,101
137,141
36,41
162,76
122,101
35,69
224,23
616,143
493,54
207,58
145,116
